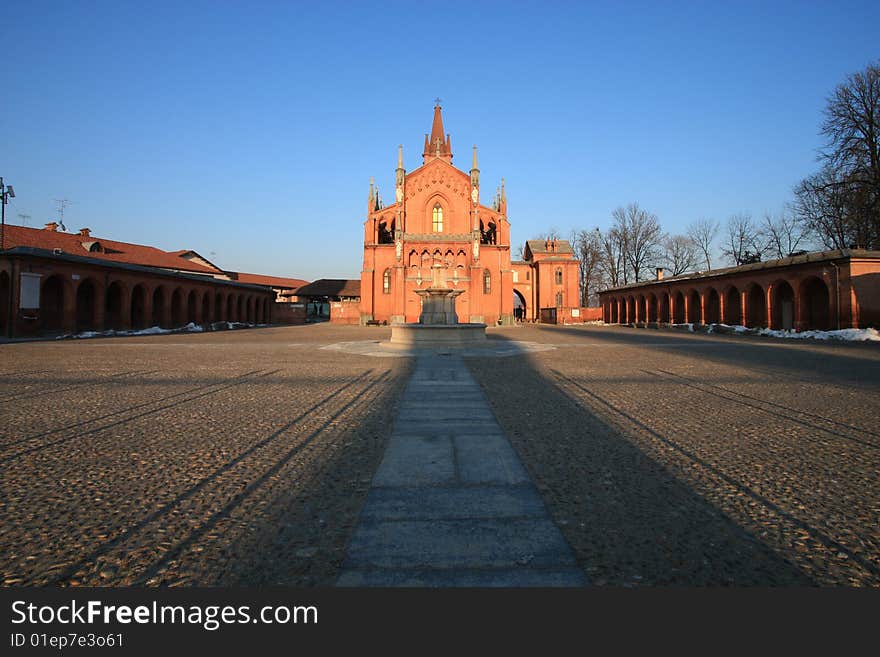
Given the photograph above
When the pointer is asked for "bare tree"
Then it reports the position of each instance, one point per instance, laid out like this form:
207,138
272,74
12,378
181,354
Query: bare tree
587,245
703,233
680,254
613,261
841,203
783,234
641,238
743,240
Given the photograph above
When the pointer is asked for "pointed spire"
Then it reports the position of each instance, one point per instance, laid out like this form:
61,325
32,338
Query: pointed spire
437,146
475,158
371,199
400,156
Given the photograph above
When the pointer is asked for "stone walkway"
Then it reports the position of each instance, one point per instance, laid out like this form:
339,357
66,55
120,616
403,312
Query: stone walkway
451,504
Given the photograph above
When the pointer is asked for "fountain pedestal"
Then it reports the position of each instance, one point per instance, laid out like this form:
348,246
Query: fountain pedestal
438,322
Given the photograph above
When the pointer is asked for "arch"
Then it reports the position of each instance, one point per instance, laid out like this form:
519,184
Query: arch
756,307
693,310
158,317
642,309
386,281
652,308
679,317
52,303
230,308
267,312
5,291
713,307
664,317
630,310
815,305
558,276
177,308
138,311
192,305
732,307
559,299
782,306
86,296
519,305
206,307
239,309
614,316
413,258
114,303
250,310
219,307
487,282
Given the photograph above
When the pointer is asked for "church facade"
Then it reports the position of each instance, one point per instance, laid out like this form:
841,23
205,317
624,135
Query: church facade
437,218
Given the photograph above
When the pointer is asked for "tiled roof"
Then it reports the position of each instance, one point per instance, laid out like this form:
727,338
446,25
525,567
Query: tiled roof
86,245
331,287
540,246
271,281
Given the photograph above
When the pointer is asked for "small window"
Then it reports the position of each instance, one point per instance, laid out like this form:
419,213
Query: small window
559,276
559,299
528,275
386,282
437,219
487,282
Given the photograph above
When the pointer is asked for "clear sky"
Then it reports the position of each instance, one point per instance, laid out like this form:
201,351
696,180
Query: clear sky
248,131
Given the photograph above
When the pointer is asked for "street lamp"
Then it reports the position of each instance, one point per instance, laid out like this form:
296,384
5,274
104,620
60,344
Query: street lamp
6,193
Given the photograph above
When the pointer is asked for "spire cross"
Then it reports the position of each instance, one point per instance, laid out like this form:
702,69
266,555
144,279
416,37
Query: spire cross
438,100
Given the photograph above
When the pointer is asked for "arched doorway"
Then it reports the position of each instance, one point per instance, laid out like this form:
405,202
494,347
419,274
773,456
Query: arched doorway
158,317
713,308
219,307
85,306
732,307
630,310
693,314
679,309
230,307
652,309
664,309
52,304
113,300
250,310
191,305
206,308
519,306
642,313
138,310
756,308
815,305
239,311
614,318
4,302
177,316
782,306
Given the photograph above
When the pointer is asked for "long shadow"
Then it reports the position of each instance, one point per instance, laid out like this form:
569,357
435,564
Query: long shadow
80,383
630,513
849,364
202,484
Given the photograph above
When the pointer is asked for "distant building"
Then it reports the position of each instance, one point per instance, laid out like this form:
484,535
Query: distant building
55,282
333,299
437,218
822,291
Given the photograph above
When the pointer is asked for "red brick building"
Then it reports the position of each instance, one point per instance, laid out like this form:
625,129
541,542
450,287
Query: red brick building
437,218
53,282
820,291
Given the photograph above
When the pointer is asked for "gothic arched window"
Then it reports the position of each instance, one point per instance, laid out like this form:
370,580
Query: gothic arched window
487,282
559,299
386,282
437,219
559,276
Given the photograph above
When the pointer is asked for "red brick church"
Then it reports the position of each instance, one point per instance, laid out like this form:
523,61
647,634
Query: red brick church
437,217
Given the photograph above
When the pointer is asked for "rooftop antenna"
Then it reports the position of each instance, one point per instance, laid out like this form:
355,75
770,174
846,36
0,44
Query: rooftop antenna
62,203
24,218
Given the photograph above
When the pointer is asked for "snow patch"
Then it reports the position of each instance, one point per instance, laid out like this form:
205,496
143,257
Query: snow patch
847,335
153,330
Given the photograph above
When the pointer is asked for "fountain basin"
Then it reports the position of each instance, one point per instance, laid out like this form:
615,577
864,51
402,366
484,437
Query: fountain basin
437,335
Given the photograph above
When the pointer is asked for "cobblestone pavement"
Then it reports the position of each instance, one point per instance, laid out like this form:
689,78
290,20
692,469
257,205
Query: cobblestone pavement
677,459
213,459
245,457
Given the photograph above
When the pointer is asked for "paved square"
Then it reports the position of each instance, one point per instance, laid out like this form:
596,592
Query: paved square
247,458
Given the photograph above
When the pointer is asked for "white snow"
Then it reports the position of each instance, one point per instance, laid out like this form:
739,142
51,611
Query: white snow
155,330
848,335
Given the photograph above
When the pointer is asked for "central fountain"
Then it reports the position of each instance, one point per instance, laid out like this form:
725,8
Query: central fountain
438,323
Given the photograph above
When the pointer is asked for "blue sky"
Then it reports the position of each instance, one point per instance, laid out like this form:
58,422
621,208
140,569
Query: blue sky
249,131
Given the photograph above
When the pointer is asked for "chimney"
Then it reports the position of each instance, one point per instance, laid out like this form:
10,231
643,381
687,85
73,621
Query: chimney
85,232
51,226
659,273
